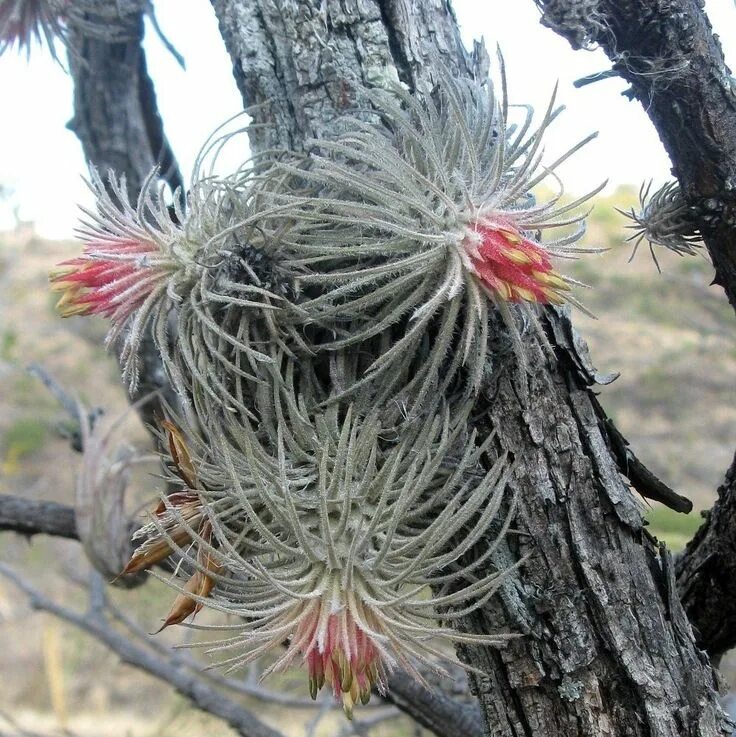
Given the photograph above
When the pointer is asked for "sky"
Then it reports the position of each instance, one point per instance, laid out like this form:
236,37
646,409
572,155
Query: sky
41,160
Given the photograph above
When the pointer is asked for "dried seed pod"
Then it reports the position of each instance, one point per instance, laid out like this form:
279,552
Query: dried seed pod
198,587
173,521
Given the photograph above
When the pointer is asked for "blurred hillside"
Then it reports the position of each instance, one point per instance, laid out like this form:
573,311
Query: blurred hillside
670,335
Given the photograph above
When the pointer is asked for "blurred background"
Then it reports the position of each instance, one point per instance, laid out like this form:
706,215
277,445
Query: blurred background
670,335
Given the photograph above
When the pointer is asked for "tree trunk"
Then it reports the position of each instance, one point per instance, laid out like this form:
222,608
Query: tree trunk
606,646
667,51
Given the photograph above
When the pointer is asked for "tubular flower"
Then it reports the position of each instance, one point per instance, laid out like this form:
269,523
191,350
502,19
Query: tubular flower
416,223
339,652
113,278
22,21
330,535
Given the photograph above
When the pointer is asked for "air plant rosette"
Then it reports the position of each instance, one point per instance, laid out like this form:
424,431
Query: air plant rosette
424,222
330,536
665,219
198,270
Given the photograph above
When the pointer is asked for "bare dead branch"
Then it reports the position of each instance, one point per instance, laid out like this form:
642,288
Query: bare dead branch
435,710
32,517
667,51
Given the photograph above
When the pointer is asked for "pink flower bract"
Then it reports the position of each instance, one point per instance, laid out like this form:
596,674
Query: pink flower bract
511,266
111,279
339,652
129,263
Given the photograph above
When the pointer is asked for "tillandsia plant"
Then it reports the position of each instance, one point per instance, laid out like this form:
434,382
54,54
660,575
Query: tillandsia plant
142,260
665,220
425,220
326,539
331,317
134,259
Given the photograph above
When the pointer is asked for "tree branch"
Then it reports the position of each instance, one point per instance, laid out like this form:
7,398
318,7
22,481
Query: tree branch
31,517
667,51
434,709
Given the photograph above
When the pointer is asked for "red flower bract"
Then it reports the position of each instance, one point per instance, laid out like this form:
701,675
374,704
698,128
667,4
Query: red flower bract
510,265
112,280
131,257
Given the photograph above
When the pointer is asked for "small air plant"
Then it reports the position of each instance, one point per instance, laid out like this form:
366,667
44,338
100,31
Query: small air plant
664,219
134,258
327,538
141,261
427,219
23,21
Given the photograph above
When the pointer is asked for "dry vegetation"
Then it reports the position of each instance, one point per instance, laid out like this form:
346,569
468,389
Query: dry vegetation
670,336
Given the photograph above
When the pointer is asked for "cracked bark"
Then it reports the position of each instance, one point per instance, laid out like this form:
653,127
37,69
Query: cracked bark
606,646
706,572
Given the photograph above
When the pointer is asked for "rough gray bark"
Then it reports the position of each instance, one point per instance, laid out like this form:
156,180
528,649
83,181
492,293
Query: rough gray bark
302,62
607,649
706,573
